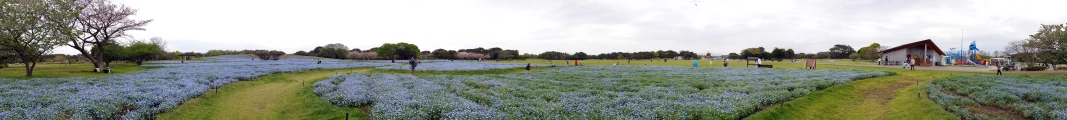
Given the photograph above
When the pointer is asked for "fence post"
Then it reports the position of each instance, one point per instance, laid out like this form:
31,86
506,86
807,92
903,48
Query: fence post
346,115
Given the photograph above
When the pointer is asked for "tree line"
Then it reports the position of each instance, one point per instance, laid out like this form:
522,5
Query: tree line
838,51
1047,45
388,51
31,29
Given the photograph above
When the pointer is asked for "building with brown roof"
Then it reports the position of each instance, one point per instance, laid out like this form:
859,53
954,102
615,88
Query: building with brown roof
925,53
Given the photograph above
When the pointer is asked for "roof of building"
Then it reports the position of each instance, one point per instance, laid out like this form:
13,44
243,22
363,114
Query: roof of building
917,43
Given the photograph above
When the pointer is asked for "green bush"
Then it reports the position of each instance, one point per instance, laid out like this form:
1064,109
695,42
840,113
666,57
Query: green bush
1061,68
1034,68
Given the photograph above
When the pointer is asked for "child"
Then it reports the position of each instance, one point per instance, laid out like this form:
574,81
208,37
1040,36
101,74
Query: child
694,63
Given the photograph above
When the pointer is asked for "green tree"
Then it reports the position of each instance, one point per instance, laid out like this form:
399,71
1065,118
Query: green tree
407,50
733,56
871,52
304,53
336,51
111,53
138,51
441,54
777,54
580,56
30,29
841,51
387,50
789,54
1050,43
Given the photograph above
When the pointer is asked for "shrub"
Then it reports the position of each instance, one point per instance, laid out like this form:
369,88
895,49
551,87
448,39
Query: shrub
1034,68
1061,68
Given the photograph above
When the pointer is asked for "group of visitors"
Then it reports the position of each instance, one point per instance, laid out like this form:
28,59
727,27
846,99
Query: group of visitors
910,63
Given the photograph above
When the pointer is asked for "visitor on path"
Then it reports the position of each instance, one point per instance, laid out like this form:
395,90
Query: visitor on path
664,60
575,62
725,62
627,61
413,64
912,64
320,62
527,66
711,62
583,63
905,65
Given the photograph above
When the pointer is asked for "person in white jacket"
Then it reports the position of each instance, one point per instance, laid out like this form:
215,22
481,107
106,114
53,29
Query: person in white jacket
759,62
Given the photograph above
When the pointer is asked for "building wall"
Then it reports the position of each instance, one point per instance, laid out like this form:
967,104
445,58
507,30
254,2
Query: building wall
895,56
902,55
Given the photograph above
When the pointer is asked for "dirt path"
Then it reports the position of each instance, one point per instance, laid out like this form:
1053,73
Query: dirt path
273,97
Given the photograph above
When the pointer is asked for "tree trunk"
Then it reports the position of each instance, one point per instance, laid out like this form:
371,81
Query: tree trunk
29,68
92,59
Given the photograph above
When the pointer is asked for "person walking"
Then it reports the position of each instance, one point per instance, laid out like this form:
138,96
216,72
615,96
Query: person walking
413,64
576,62
912,64
725,62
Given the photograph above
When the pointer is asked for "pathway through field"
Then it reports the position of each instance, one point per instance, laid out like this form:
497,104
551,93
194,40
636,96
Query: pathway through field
272,97
892,97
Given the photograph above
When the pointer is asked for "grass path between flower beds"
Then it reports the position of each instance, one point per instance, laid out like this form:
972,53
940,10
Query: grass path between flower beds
280,96
272,97
892,97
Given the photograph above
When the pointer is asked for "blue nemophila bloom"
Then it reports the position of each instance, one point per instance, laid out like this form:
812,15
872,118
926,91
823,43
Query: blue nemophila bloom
1034,97
139,95
440,65
597,92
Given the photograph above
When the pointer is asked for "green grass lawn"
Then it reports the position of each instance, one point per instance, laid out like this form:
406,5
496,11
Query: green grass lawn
273,97
65,70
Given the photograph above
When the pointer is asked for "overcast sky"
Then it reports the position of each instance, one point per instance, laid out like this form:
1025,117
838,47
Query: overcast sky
535,26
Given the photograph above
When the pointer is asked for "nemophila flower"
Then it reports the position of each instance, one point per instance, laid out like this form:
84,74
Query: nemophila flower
141,94
457,66
1033,97
596,92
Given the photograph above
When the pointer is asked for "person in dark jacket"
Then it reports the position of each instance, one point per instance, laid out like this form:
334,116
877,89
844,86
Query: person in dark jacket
413,64
527,66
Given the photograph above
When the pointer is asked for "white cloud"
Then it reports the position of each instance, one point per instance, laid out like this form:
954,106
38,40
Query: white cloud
717,26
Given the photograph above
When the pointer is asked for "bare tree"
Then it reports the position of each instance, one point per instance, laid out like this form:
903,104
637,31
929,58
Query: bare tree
30,29
100,23
1018,50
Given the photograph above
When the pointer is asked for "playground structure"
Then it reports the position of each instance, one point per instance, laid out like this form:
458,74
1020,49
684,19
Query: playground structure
969,57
